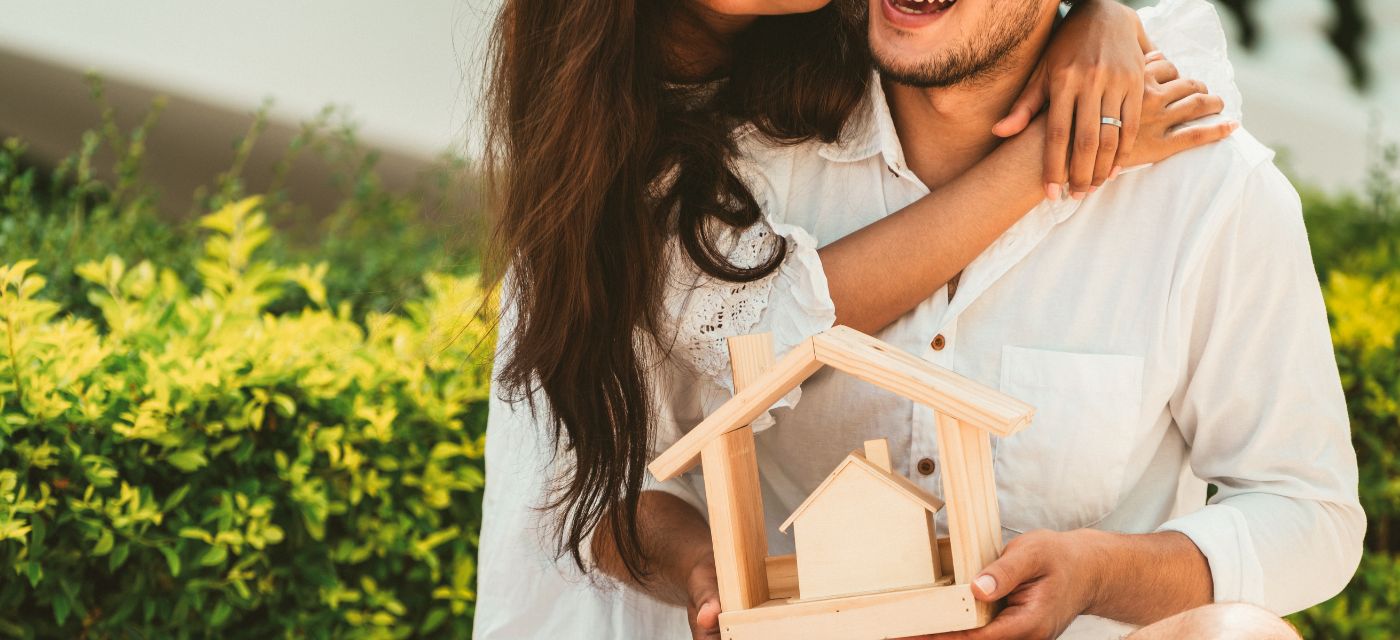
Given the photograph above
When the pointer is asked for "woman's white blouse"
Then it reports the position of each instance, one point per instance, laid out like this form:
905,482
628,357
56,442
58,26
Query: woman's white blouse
1134,408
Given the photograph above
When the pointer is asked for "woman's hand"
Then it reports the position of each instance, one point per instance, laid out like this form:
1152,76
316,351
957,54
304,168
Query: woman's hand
1093,68
702,608
1170,103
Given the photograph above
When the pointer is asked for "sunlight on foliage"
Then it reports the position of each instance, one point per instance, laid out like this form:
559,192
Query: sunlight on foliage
190,461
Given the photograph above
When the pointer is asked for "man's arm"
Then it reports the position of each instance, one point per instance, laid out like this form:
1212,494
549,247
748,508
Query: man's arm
1262,411
1262,408
676,540
1047,578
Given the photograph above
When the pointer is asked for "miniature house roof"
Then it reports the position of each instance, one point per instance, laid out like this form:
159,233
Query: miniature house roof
857,462
868,359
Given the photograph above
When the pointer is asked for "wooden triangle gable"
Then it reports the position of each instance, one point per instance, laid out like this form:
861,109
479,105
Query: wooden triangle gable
856,461
862,357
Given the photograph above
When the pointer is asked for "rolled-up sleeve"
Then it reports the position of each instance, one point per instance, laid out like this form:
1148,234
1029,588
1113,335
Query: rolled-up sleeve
1263,412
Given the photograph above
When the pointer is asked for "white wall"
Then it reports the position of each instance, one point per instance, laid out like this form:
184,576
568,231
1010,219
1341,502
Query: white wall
408,69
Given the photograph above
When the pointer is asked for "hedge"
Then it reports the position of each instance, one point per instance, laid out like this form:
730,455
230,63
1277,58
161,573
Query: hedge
1356,245
188,465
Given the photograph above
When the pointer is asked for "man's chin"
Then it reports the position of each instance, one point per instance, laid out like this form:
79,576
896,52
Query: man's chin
927,72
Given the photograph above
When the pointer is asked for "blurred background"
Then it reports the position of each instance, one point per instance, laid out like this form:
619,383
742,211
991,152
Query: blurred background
1319,77
186,176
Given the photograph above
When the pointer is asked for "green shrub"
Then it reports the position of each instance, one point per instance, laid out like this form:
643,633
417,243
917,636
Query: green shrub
377,241
1356,243
186,464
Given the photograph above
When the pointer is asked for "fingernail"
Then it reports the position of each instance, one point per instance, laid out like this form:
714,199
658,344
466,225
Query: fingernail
1153,55
986,583
1093,189
1077,195
1052,191
1114,173
1233,125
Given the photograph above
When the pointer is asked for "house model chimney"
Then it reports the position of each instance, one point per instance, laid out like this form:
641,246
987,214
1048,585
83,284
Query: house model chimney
878,453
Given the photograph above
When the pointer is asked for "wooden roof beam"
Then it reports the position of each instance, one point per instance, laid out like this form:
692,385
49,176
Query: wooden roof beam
889,368
739,411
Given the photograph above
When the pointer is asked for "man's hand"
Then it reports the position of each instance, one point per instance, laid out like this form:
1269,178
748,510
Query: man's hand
1047,579
703,609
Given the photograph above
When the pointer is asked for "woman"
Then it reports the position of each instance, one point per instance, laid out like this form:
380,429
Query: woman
613,151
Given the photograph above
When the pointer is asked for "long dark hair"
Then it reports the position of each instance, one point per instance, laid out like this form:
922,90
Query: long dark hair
596,161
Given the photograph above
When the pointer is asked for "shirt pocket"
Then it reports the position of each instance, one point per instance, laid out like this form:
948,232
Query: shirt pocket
1065,470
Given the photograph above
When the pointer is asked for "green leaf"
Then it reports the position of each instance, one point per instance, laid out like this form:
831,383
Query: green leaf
104,543
172,559
215,555
175,498
61,607
118,557
187,460
35,573
195,533
38,532
434,620
221,613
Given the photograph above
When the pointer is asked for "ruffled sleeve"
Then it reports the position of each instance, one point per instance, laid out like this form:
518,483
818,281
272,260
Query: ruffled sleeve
792,303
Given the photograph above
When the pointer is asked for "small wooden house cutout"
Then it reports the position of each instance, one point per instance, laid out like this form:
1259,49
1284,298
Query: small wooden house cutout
757,591
865,529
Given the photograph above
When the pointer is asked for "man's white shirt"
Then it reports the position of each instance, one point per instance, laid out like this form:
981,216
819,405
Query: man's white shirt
1169,330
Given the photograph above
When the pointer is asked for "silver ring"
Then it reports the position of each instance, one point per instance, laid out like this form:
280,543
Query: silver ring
1112,121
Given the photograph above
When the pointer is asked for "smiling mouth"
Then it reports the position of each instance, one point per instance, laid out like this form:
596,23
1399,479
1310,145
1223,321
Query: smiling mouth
921,7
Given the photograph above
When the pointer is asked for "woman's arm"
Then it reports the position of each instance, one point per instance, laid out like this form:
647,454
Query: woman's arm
930,241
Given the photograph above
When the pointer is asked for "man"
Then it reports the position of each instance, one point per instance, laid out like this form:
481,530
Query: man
1168,327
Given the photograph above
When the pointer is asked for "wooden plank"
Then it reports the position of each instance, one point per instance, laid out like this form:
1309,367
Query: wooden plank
974,521
945,555
863,536
746,405
732,492
941,570
892,614
889,368
878,453
782,576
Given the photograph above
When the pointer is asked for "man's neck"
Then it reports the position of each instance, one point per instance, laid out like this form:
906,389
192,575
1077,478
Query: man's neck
945,131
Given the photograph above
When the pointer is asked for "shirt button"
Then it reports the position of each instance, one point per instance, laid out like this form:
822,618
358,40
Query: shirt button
926,466
938,342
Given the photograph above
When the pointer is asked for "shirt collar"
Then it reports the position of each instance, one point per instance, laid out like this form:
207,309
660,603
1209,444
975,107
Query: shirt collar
870,131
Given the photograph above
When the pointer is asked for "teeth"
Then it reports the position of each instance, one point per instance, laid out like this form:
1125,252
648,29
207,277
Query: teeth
919,7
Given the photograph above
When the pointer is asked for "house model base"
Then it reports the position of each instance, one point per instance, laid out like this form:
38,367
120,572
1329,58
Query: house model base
868,564
890,614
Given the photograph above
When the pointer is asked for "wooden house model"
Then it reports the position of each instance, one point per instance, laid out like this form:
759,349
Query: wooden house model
867,564
865,529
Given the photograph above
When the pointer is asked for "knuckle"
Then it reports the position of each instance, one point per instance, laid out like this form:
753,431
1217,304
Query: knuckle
1058,133
1108,144
1086,144
1199,87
